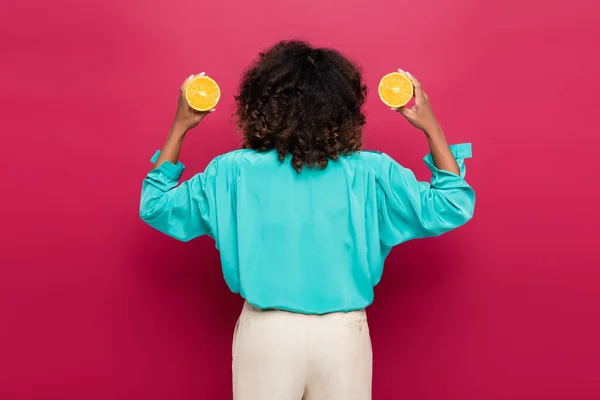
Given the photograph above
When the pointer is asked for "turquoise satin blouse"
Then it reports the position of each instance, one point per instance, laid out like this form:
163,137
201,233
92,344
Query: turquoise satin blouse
311,242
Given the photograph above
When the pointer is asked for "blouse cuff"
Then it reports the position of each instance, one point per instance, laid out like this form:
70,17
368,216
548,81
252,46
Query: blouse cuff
167,168
459,151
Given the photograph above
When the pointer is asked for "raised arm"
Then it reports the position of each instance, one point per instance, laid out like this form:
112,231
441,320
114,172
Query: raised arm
185,119
185,211
421,116
410,209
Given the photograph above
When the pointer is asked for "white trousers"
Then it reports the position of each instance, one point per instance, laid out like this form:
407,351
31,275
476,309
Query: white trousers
279,355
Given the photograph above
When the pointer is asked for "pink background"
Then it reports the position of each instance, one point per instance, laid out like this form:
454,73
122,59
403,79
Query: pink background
96,305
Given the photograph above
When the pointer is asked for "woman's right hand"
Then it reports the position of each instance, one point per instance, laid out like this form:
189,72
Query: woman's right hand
186,117
420,115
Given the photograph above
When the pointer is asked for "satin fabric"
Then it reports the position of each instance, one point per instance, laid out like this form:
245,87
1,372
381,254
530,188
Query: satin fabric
312,242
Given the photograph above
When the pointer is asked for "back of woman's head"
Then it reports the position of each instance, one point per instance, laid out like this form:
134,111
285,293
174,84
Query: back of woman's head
302,101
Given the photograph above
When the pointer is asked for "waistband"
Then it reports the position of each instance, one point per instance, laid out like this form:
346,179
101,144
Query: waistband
251,308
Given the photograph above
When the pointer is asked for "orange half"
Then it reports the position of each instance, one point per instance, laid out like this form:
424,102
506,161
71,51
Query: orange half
202,93
395,89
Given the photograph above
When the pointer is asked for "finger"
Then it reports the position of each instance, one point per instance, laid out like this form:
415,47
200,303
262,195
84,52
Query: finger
413,79
204,113
420,96
201,74
185,82
398,109
407,112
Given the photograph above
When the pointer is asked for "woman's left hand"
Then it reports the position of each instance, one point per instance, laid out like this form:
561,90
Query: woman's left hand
186,117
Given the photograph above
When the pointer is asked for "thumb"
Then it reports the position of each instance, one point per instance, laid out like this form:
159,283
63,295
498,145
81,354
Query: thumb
407,112
200,115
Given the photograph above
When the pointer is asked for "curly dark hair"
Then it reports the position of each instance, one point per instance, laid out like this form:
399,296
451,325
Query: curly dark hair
303,101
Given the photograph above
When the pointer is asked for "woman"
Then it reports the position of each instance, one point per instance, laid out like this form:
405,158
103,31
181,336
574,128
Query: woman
304,220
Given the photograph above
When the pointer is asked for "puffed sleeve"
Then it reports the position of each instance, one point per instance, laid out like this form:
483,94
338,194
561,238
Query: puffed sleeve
183,212
409,209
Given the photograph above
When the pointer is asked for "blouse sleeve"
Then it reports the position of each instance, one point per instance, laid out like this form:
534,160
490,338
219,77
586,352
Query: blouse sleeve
409,209
183,212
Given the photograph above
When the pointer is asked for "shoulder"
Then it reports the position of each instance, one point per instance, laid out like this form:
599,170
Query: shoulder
380,164
366,158
370,160
234,161
231,159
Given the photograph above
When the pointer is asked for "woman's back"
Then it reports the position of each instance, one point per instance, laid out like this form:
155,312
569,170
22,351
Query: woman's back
312,242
